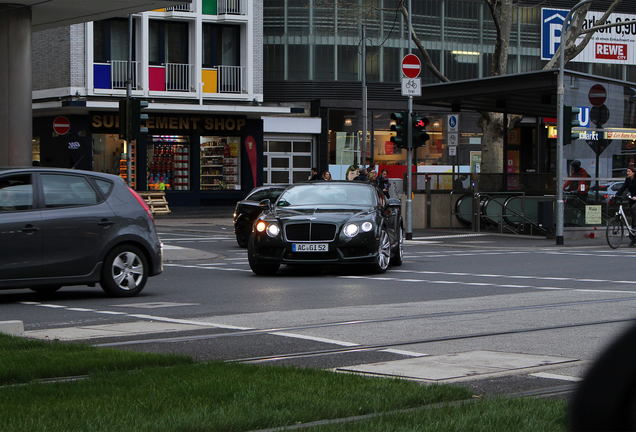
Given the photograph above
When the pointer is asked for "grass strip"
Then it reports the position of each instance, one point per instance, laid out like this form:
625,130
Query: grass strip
24,360
208,397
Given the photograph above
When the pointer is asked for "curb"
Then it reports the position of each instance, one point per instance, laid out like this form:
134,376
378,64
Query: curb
13,328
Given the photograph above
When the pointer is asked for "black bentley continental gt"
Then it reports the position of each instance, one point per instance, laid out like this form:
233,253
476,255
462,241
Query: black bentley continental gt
327,222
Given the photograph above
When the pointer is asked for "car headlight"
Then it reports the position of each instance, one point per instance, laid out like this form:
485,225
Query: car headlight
273,230
351,229
367,226
260,226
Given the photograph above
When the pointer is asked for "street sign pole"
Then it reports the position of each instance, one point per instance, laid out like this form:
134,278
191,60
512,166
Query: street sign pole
409,150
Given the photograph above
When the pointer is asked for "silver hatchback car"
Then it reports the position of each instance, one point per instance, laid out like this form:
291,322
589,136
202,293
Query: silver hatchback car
62,227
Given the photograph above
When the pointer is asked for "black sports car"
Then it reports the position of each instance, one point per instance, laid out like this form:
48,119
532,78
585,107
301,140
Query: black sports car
247,210
327,222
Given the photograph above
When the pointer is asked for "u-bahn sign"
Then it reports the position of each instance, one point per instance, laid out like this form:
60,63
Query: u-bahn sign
616,45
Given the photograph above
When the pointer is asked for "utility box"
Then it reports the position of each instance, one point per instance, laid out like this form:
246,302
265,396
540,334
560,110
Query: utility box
545,216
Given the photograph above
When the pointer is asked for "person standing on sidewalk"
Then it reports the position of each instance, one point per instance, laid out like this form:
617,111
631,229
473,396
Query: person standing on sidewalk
630,186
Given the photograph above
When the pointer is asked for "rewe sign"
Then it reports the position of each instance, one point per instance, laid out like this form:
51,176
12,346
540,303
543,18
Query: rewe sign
616,45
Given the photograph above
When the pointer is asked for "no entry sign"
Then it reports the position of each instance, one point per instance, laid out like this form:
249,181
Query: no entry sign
597,95
411,66
61,125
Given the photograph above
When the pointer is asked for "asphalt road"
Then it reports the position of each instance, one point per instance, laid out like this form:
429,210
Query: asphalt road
499,314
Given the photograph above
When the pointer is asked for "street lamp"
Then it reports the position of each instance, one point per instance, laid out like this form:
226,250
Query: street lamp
560,104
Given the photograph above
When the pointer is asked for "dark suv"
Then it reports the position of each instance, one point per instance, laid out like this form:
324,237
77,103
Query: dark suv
68,227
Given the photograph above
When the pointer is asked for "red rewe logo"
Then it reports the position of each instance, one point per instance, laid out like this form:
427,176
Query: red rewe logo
609,51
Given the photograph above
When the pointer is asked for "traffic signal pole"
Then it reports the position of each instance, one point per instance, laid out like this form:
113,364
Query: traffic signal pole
409,150
128,92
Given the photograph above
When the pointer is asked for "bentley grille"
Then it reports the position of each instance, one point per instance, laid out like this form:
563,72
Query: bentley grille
310,232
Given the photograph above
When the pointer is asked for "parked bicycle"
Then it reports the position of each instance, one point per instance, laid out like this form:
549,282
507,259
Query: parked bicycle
617,225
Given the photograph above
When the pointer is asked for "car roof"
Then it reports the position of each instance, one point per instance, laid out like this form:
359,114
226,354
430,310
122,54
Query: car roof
32,169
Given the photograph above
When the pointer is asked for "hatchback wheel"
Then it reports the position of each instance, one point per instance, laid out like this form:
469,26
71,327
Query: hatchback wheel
125,272
384,253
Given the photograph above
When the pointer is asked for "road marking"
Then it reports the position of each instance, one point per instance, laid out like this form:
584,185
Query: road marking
555,376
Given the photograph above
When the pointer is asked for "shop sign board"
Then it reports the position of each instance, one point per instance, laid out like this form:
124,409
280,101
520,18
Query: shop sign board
615,45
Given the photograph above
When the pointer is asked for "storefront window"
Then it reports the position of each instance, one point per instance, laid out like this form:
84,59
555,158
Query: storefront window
168,162
107,153
220,163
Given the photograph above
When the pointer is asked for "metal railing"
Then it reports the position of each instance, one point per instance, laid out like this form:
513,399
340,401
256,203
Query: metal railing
231,79
178,77
231,7
182,8
119,74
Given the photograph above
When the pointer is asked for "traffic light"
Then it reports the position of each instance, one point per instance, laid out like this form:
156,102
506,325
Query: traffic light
136,116
419,131
570,120
122,118
399,140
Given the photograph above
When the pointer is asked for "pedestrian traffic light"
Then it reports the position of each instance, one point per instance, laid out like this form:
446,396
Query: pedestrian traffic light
419,131
399,140
570,120
136,116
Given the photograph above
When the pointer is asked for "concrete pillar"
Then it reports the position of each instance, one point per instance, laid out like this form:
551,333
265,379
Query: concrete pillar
15,86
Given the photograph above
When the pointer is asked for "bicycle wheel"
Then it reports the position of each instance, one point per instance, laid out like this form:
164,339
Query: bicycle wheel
615,232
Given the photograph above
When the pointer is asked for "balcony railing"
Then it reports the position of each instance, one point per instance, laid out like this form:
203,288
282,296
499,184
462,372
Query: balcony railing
231,79
119,74
231,7
181,8
178,77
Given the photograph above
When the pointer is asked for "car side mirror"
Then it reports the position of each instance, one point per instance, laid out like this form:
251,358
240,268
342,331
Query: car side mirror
266,204
393,202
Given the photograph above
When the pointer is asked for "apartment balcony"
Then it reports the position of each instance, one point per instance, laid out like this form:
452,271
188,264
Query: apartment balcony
231,7
224,79
114,75
171,77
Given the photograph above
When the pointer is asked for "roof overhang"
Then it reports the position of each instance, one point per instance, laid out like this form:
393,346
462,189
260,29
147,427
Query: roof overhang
57,13
529,93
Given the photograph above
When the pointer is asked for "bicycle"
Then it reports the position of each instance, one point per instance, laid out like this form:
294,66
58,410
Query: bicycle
615,227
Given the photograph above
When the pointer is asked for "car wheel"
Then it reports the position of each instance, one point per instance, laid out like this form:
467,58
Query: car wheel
384,253
398,253
260,269
243,232
125,272
47,289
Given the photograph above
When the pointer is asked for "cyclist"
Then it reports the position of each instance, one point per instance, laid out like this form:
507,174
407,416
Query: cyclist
579,187
630,186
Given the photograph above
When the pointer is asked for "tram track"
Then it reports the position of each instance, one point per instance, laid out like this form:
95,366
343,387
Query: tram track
274,330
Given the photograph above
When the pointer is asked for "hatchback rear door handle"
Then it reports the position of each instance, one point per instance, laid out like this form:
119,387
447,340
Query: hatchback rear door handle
105,223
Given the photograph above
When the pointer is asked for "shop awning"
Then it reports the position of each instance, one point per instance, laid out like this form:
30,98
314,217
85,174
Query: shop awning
529,93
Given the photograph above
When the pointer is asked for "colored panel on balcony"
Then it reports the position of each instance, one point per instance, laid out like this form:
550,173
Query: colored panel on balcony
101,76
157,79
209,79
209,7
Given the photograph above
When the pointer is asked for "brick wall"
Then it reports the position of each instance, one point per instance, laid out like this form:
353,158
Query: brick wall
51,54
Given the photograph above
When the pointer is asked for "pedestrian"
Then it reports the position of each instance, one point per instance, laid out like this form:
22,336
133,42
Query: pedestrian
326,176
363,175
314,175
372,177
458,183
383,182
579,187
630,186
352,172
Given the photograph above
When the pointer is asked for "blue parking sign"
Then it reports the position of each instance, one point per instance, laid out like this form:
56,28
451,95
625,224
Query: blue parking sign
551,23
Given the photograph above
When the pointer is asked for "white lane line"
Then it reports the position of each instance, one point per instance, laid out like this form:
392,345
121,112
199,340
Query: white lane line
555,376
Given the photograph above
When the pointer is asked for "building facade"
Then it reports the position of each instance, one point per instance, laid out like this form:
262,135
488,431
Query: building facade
199,66
313,53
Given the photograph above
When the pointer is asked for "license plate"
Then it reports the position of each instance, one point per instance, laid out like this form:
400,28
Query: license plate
310,247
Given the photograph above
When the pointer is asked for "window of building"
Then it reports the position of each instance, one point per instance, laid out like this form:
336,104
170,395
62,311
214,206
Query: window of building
110,40
221,45
168,42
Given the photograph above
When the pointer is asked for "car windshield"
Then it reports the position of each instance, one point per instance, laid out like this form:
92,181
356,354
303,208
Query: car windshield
328,194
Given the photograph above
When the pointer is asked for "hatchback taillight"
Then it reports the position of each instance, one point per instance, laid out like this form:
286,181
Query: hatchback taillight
141,201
